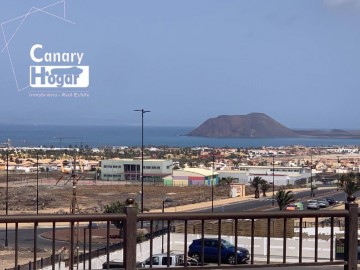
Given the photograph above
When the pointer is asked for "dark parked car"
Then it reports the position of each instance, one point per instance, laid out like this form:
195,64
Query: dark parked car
331,200
211,251
340,249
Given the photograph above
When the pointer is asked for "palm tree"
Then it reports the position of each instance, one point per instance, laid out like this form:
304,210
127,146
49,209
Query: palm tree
264,186
350,184
118,207
225,181
255,183
342,180
351,187
284,198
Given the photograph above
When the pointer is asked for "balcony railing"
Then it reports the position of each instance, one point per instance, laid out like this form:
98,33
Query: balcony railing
270,237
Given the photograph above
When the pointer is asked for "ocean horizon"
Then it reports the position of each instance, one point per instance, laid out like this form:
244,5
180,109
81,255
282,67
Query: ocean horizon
172,136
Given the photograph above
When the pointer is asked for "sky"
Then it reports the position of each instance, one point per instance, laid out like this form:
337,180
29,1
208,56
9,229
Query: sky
185,61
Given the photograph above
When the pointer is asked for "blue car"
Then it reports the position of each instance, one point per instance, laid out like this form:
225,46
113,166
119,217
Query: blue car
211,251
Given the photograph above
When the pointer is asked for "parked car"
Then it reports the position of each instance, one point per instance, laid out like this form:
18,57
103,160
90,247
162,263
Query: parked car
156,261
295,206
161,260
340,249
113,264
290,207
211,251
312,204
331,200
323,203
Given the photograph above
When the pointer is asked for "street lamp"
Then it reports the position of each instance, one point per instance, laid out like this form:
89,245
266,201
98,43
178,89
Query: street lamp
167,200
37,183
142,157
7,197
273,183
337,184
212,181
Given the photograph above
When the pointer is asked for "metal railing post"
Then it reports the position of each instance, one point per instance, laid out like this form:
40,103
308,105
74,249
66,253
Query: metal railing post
130,235
351,234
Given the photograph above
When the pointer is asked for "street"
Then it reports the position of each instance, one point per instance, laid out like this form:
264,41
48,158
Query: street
265,203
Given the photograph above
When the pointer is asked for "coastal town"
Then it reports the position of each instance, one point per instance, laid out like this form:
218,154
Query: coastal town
42,180
166,170
321,159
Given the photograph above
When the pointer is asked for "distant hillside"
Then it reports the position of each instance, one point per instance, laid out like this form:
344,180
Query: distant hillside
253,125
332,133
259,125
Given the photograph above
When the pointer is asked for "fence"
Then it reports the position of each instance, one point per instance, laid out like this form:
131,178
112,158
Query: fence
132,220
323,223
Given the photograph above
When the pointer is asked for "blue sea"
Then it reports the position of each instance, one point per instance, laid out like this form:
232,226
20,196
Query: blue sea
100,136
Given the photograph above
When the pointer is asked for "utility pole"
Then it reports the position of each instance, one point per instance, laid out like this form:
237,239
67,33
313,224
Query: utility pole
273,183
311,179
7,197
74,208
212,181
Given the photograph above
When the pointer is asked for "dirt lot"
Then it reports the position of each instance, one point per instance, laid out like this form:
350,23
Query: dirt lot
91,197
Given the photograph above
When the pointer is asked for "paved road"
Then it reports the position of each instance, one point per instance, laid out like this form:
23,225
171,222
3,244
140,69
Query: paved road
26,239
265,204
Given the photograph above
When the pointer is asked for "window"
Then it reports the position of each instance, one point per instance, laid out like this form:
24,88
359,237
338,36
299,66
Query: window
131,168
155,260
214,243
164,260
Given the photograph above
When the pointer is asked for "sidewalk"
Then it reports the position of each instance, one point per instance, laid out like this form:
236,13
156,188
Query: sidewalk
220,202
202,205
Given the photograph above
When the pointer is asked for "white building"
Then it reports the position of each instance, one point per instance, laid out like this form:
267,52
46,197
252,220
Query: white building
130,169
289,171
283,175
238,176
